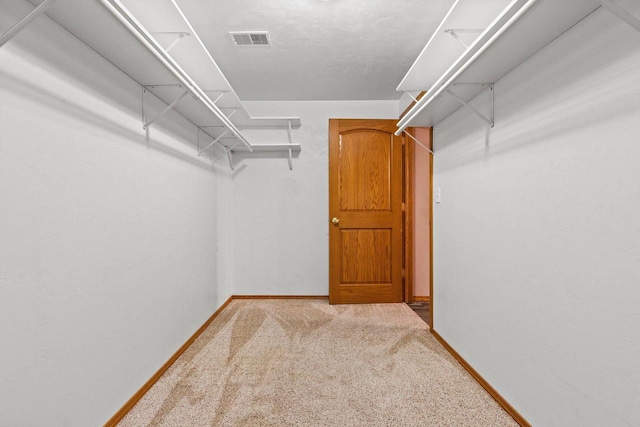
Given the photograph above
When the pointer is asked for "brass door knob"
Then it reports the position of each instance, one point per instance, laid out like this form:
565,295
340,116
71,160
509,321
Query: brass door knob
335,220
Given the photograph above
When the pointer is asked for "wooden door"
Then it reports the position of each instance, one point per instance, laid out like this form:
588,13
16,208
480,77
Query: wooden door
365,212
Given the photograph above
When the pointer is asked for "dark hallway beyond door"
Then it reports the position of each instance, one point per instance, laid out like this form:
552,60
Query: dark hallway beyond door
422,309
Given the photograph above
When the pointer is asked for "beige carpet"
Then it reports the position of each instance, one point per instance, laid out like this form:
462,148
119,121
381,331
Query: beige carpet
307,363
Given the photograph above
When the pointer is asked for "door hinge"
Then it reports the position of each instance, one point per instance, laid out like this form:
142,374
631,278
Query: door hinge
403,207
403,273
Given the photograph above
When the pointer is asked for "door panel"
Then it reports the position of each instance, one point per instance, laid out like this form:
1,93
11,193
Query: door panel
365,201
365,161
365,244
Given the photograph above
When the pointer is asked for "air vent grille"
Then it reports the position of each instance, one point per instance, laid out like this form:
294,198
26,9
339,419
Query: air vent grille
251,38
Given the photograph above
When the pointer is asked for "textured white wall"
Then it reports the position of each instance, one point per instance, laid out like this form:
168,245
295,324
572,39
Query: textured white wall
537,260
108,239
281,216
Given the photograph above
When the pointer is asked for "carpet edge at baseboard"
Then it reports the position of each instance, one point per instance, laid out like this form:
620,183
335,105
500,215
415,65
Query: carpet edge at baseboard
115,419
492,391
280,297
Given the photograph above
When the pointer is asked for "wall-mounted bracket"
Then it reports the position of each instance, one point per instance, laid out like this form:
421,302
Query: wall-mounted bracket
222,135
229,149
489,120
290,145
179,36
146,124
230,157
415,99
621,13
219,97
418,142
455,31
233,110
11,32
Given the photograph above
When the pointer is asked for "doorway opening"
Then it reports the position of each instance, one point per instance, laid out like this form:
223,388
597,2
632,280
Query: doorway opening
379,214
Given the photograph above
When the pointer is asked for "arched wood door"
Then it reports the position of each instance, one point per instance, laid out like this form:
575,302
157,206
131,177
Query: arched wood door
365,212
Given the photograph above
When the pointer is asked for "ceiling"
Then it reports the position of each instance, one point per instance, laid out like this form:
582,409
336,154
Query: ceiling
321,50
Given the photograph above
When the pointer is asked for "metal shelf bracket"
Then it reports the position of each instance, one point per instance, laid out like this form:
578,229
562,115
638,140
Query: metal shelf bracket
227,148
621,13
455,31
145,123
179,36
418,142
230,157
489,120
233,110
219,97
415,99
222,135
290,143
11,32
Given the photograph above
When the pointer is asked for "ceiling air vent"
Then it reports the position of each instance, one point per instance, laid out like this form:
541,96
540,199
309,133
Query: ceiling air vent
251,38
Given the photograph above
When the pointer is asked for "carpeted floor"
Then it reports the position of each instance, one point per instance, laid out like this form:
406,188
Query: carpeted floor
307,363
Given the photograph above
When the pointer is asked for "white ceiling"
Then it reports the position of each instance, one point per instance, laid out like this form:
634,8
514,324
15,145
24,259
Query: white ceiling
321,50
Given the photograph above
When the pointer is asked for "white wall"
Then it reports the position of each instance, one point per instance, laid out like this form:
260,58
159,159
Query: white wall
537,253
281,216
108,239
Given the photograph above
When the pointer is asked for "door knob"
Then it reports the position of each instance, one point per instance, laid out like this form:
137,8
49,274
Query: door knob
335,220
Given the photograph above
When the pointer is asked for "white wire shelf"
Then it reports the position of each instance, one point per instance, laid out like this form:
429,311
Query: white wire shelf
462,24
519,31
158,48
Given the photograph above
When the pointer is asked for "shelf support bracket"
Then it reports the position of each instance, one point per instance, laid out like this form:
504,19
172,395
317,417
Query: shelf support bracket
201,129
411,96
163,112
233,110
455,31
490,121
213,142
418,142
229,151
11,32
230,157
179,36
290,144
219,97
621,13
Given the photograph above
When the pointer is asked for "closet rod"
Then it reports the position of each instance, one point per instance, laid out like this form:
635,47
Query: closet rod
122,15
449,79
